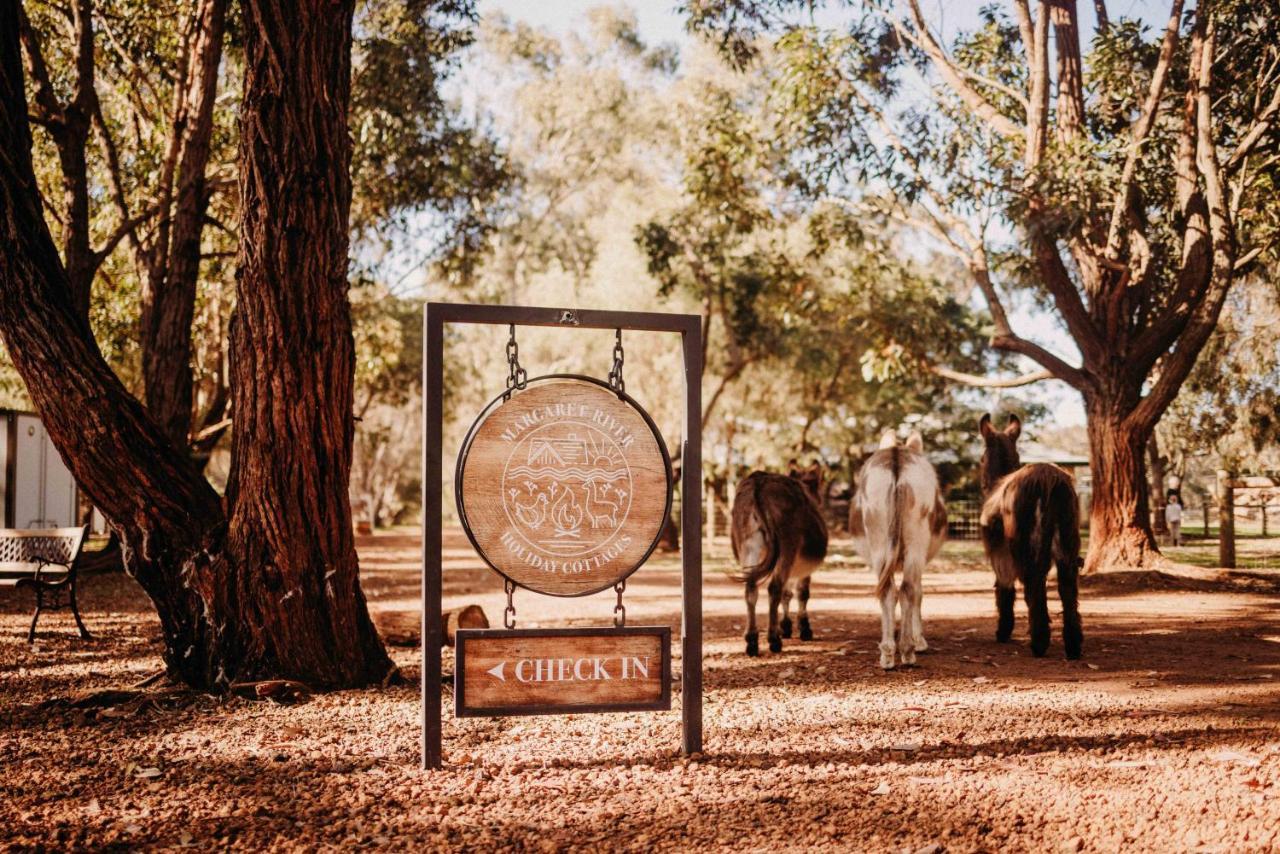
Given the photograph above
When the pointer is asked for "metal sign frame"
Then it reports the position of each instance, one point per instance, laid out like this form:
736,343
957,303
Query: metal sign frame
464,636
689,326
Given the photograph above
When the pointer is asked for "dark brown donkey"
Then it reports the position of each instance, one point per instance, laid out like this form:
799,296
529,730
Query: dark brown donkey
1030,519
778,533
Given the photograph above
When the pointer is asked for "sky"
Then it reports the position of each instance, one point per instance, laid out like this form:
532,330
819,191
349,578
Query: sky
659,22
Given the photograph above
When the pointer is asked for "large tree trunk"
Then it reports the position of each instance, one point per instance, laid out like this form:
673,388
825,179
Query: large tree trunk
292,351
1119,522
173,268
273,591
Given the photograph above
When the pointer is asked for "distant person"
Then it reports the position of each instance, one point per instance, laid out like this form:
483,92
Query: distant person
1173,517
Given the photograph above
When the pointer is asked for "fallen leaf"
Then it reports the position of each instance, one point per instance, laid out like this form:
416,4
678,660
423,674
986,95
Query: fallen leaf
882,789
149,773
981,679
1091,666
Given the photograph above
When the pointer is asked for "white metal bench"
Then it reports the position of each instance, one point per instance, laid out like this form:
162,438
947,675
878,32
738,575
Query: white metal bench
44,560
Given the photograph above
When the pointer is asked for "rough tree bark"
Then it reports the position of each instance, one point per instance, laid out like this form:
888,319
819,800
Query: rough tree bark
1119,519
270,588
172,261
292,351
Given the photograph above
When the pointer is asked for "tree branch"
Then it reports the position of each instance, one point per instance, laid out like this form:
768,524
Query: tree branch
1038,80
1260,126
1070,118
1100,12
49,111
980,381
1074,377
1141,128
982,79
954,79
1203,319
123,230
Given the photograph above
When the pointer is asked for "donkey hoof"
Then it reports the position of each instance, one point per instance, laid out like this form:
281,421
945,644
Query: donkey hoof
806,633
1039,648
786,627
886,657
1002,636
775,643
753,645
908,657
1073,652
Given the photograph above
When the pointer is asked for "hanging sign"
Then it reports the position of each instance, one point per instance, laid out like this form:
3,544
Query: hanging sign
564,487
562,671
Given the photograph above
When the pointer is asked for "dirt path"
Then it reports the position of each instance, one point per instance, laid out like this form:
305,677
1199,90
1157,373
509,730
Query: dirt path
1164,738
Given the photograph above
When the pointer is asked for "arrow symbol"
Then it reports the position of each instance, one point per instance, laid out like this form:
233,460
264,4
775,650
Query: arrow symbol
497,671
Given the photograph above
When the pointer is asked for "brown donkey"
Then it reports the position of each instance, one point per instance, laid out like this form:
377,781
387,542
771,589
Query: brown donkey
1030,519
778,533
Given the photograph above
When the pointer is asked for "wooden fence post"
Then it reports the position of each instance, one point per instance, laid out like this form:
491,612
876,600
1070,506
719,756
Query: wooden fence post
1226,521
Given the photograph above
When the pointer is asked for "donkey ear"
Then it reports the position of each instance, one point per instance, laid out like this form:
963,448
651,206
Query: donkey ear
984,426
915,442
888,440
1013,429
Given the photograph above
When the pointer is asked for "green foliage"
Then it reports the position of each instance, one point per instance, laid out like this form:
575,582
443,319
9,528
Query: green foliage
412,151
1229,408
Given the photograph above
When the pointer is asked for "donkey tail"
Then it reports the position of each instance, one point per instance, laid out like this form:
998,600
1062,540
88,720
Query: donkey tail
896,553
1065,508
750,520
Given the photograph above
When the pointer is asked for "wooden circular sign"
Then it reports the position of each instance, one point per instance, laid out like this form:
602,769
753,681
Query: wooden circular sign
565,487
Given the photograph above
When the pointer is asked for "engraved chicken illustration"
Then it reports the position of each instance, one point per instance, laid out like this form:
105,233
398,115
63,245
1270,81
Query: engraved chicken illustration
532,514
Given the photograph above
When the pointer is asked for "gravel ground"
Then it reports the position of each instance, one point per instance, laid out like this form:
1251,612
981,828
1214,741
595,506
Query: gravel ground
1163,738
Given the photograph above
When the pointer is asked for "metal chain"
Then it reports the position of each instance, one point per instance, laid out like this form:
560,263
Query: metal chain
509,615
620,610
517,378
615,373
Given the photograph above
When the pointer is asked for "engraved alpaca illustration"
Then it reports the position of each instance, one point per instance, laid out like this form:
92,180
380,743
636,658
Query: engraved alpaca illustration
602,512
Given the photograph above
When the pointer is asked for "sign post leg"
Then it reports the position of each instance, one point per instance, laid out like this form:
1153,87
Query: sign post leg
432,486
691,544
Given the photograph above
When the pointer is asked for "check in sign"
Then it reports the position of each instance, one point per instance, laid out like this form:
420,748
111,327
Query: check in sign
562,671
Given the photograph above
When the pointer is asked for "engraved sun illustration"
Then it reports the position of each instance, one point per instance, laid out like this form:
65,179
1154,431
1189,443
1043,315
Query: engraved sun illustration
566,488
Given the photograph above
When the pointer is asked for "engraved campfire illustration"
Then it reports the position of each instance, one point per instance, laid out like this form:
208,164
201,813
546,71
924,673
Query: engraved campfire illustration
567,488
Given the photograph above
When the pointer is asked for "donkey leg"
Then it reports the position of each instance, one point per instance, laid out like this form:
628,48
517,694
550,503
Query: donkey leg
906,626
1033,590
753,635
785,625
1068,592
1004,607
917,620
806,633
775,597
888,604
